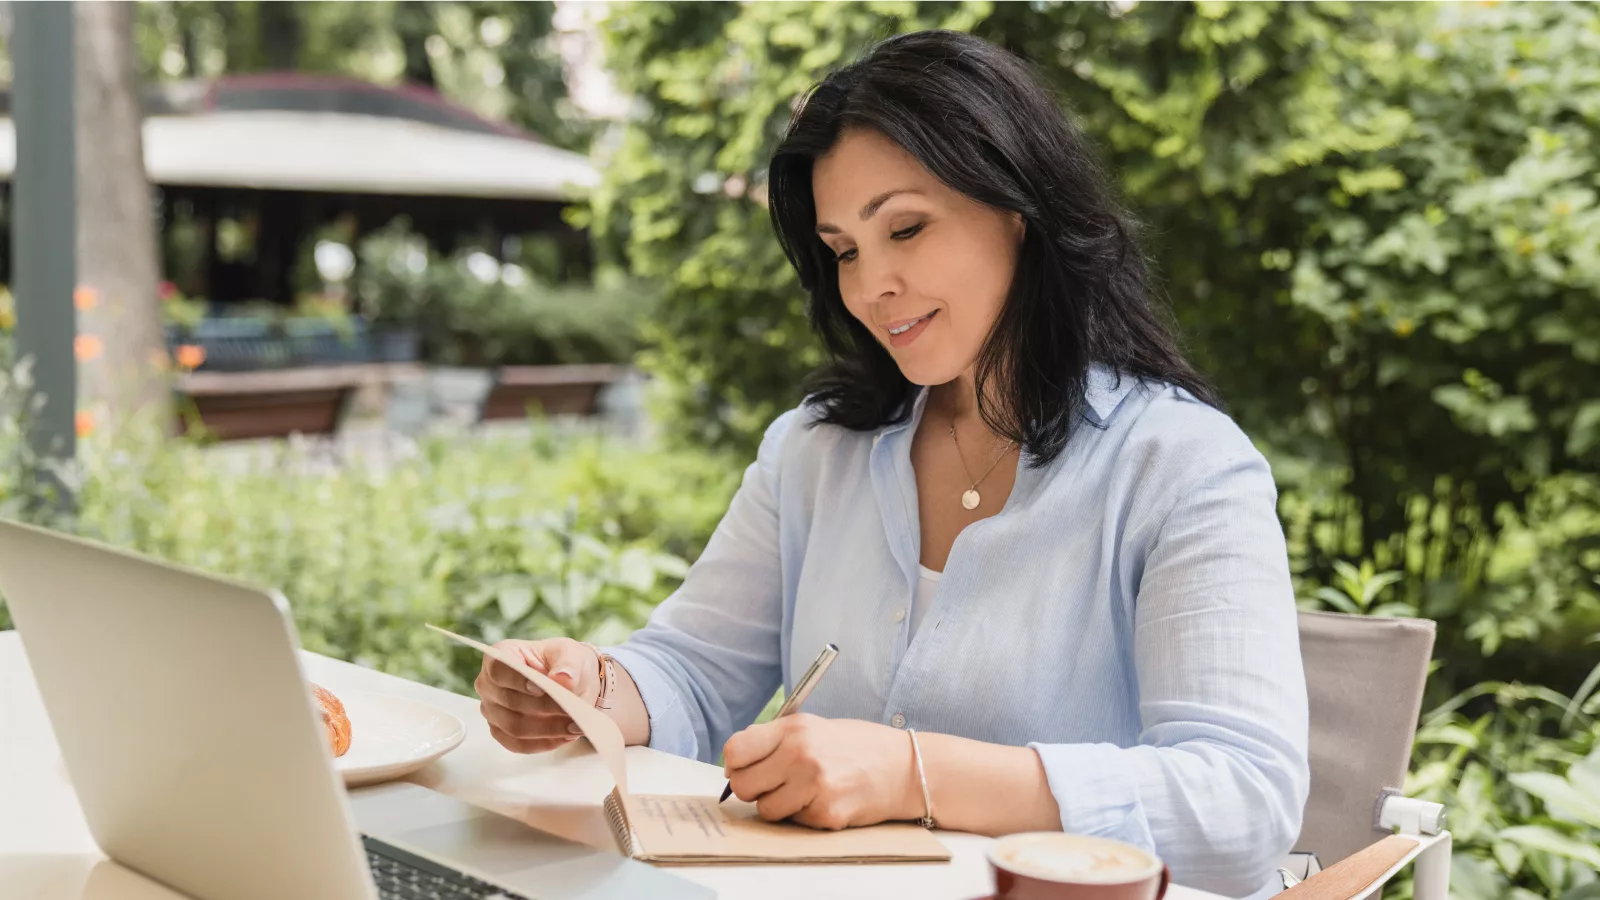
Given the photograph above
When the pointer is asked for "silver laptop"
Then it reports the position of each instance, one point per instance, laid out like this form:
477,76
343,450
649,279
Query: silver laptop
185,724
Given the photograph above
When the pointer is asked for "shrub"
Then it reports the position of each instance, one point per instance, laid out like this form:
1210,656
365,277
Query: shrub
493,536
473,310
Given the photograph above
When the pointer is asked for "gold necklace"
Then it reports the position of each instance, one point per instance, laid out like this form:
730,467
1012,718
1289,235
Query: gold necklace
970,498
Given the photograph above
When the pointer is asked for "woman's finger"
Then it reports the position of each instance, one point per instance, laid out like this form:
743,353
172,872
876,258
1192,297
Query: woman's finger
518,701
523,726
503,675
790,798
754,744
528,745
754,781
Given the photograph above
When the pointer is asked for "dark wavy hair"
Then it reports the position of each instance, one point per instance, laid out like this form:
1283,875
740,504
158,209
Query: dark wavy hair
979,121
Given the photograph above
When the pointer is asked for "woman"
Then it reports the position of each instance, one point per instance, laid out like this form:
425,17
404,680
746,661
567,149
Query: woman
1010,502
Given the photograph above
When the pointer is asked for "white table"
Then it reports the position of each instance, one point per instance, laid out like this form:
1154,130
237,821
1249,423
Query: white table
46,852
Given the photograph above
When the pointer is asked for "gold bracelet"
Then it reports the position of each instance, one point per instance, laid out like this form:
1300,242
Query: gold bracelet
927,802
608,678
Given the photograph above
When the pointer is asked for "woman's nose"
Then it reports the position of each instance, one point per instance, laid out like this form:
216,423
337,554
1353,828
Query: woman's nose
880,280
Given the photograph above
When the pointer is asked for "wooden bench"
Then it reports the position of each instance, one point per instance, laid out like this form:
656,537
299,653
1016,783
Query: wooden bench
279,402
312,400
556,390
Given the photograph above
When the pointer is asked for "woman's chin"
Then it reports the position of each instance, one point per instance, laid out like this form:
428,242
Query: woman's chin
926,374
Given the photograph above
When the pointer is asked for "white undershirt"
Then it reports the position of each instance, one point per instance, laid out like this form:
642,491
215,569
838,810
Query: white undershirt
922,598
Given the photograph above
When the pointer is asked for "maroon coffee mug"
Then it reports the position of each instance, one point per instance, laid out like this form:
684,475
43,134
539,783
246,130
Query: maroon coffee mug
1057,866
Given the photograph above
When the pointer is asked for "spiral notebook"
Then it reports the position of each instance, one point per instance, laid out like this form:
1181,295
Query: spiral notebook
697,830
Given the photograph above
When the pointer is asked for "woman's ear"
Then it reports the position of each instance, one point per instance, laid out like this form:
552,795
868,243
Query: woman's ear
1019,226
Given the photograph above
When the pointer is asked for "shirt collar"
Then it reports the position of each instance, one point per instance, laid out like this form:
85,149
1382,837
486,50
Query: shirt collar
1104,390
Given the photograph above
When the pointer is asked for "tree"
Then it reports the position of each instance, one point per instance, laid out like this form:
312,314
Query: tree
120,344
495,57
1376,224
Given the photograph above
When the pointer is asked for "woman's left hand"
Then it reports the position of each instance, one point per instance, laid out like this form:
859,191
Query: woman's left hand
825,773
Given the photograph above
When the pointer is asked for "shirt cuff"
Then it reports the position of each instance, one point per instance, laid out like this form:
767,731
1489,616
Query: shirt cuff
670,728
1097,794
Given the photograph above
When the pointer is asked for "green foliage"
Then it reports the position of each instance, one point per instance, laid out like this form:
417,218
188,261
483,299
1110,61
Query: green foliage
1521,779
473,310
1355,591
495,57
1375,223
491,536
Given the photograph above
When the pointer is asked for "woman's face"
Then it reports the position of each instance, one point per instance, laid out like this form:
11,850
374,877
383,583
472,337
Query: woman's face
922,266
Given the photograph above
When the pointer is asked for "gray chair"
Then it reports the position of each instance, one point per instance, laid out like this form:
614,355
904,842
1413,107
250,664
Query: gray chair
1364,679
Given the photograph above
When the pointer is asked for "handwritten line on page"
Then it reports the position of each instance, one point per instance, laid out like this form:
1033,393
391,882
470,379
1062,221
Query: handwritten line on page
699,830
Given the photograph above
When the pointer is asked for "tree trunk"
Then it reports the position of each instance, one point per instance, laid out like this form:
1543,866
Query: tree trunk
414,23
280,35
121,344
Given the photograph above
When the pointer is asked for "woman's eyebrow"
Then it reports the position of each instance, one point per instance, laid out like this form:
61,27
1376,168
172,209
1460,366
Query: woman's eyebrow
868,211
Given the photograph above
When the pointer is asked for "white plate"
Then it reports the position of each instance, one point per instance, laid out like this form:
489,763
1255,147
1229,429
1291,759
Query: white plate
392,736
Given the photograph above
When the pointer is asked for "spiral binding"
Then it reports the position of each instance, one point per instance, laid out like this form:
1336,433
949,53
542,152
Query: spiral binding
618,820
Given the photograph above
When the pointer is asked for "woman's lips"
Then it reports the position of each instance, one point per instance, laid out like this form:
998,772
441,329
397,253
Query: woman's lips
905,338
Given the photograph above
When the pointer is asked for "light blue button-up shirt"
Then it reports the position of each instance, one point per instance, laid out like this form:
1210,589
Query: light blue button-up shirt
1128,614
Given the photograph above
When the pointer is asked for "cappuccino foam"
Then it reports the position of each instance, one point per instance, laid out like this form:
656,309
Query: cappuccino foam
1072,858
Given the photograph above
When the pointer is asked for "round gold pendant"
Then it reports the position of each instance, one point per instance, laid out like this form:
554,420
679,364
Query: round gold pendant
969,500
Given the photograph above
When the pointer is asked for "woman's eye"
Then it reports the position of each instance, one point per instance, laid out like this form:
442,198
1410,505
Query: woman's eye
905,234
846,256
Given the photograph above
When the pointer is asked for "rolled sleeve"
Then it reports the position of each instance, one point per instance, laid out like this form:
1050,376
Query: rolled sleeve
1095,788
671,725
709,659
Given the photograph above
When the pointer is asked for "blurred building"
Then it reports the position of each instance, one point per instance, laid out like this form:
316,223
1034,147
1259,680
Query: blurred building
259,164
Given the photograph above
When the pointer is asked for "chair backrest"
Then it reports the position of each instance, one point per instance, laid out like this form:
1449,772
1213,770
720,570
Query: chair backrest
1364,680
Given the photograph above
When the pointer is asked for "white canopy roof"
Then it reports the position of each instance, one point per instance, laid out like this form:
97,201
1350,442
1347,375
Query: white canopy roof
345,152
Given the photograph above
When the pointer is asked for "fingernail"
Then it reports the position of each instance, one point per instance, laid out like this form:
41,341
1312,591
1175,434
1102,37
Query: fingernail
574,728
571,675
535,690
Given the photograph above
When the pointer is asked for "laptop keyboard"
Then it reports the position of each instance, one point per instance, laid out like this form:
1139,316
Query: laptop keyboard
405,876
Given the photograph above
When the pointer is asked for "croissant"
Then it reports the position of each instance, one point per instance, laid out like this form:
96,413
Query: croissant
334,720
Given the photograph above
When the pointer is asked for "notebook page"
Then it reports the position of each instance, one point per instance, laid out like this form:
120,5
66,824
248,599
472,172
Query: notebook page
699,829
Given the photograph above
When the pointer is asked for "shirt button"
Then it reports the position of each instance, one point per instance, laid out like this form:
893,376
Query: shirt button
899,720
899,615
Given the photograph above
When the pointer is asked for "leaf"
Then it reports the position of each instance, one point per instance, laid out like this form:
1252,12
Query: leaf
1584,690
515,601
1584,434
1347,572
1376,584
1509,856
1548,840
1561,796
1472,878
1337,599
636,569
1448,734
1590,891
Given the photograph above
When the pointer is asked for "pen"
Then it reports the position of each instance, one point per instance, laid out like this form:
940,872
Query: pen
791,704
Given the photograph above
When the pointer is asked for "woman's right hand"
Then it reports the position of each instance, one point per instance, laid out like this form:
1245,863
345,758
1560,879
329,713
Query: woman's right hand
519,714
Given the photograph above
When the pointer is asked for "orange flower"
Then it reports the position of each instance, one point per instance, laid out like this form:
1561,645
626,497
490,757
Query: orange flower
86,297
191,356
87,346
83,423
166,290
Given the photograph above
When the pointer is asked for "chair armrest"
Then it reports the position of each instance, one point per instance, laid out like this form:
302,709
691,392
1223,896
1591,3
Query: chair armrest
1364,873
